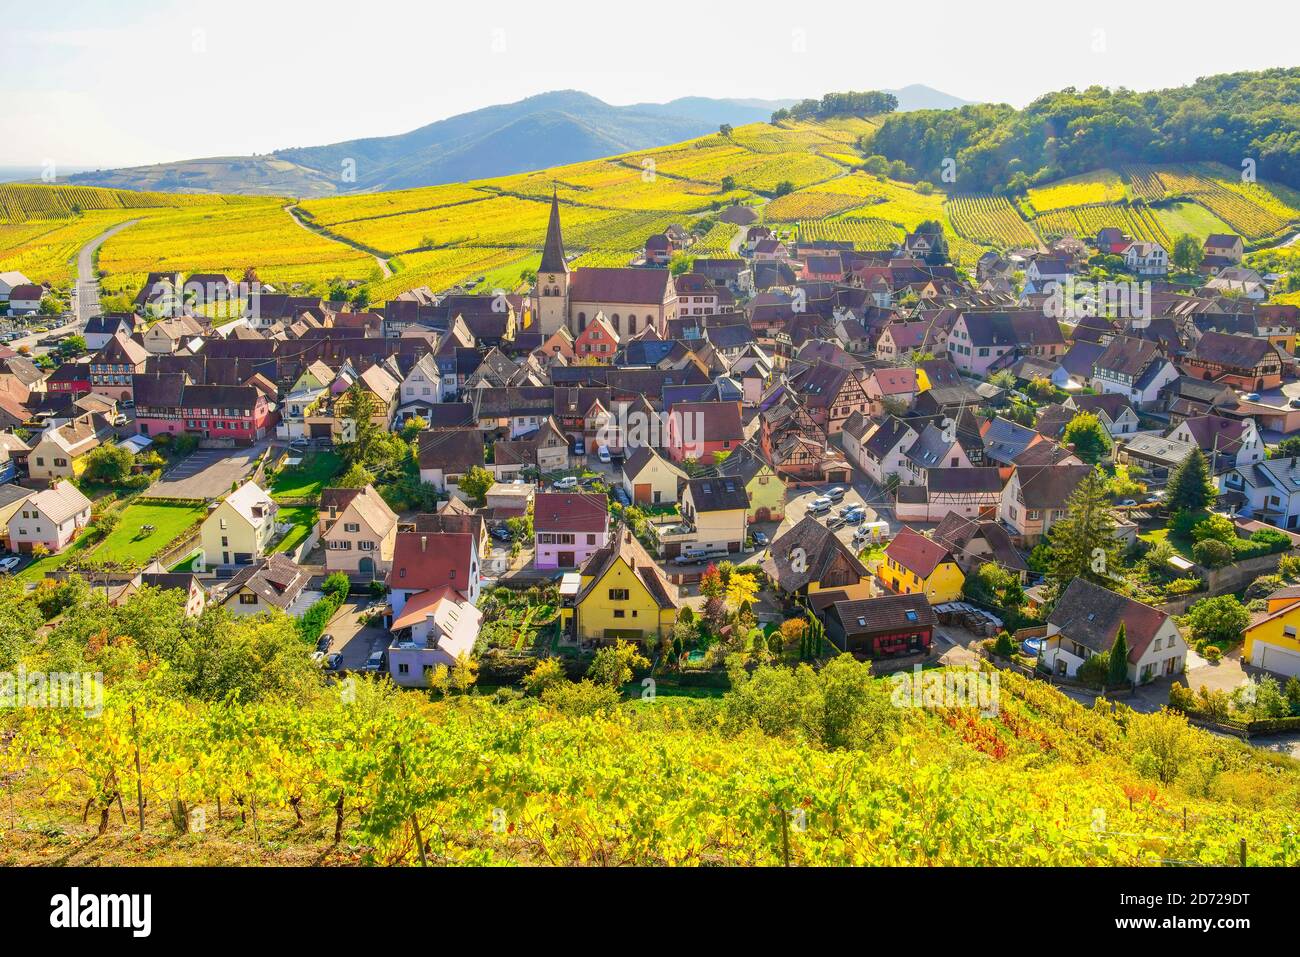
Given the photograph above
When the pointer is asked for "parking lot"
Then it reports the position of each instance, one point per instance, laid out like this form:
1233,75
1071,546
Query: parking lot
353,640
797,508
206,474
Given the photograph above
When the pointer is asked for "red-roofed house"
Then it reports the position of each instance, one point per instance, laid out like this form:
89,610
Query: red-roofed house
696,430
916,565
597,342
430,562
569,527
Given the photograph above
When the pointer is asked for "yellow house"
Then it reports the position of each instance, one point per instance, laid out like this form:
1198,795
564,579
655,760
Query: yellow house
1272,643
765,489
620,594
916,565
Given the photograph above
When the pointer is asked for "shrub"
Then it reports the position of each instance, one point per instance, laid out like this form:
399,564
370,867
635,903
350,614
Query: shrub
1263,586
336,586
1212,553
1003,646
1211,653
1093,672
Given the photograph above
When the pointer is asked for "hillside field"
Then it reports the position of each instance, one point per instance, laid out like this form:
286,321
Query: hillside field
487,233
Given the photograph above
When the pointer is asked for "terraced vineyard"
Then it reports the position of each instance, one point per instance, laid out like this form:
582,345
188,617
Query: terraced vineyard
990,221
20,203
1086,221
864,232
1258,211
1090,189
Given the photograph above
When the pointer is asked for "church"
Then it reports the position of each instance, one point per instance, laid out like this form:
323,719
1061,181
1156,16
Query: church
632,298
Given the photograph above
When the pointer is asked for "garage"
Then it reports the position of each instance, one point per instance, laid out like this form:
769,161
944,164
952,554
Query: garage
1280,661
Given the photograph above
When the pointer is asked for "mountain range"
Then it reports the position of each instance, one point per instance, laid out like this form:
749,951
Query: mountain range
549,129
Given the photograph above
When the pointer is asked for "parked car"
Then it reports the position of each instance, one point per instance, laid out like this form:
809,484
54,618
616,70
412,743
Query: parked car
566,484
603,454
835,521
9,563
334,661
374,663
621,496
318,656
1295,403
853,516
323,643
301,442
687,560
820,504
761,539
502,534
1125,503
835,494
1252,397
579,446
119,420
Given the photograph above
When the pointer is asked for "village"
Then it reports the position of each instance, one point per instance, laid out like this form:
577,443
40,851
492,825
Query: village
799,450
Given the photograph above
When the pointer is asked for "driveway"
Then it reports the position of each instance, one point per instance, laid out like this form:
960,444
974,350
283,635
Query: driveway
796,509
354,641
207,474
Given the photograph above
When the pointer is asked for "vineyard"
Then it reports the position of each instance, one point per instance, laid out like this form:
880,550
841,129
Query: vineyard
990,221
1135,220
377,776
20,203
863,232
1090,189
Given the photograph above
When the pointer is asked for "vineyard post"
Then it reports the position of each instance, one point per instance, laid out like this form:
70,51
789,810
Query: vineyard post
139,783
785,838
1242,851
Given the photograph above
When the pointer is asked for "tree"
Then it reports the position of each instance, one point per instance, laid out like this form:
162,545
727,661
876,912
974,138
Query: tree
72,346
728,184
475,484
108,465
413,427
359,405
614,664
1119,658
1219,620
1083,543
1088,436
357,476
1187,253
1286,449
1212,553
545,674
783,188
724,129
1190,488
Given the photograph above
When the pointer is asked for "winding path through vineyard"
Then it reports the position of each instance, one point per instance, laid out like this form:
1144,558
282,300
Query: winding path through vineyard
383,263
87,303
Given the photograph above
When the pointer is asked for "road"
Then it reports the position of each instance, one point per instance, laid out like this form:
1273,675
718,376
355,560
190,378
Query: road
85,300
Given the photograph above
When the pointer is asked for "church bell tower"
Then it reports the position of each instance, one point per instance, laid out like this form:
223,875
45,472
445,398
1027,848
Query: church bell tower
551,294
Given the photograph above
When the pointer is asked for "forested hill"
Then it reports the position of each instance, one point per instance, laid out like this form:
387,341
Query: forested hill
1227,118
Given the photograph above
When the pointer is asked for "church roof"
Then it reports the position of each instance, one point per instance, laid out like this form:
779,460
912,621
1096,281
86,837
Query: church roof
553,251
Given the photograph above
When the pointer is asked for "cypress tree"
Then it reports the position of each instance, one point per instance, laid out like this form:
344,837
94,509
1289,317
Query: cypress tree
1119,658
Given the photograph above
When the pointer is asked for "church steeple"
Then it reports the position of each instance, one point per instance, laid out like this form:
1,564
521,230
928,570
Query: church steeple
553,251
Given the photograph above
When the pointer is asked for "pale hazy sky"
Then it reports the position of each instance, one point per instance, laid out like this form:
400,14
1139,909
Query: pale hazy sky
129,82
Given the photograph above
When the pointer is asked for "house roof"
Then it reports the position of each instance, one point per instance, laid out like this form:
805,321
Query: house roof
60,502
428,560
1229,350
1126,356
825,559
1091,615
888,613
1049,486
454,451
916,553
641,457
276,579
338,498
957,532
251,502
630,286
569,512
709,422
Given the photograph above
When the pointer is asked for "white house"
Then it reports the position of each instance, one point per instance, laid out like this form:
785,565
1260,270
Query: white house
238,529
421,389
50,518
1269,490
436,628
1086,620
9,281
1146,259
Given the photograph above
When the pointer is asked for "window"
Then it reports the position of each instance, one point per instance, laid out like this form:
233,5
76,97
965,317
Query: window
351,527
618,594
247,598
403,668
619,613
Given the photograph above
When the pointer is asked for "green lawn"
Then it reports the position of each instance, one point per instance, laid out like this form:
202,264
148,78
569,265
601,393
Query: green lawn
1191,218
129,545
307,479
303,518
1183,546
38,569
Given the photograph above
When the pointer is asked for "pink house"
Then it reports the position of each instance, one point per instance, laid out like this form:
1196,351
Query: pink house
568,527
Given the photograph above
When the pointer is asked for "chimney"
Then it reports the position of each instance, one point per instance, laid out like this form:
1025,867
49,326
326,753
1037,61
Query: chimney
424,543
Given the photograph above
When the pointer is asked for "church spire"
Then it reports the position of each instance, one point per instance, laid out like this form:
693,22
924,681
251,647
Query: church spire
553,251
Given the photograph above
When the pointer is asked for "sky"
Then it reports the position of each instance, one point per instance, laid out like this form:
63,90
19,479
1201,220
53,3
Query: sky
131,82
